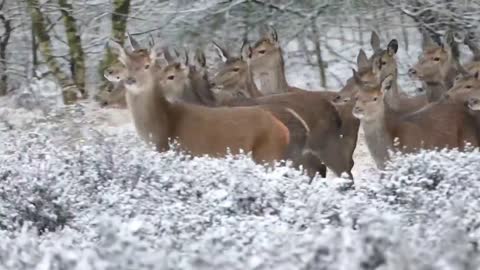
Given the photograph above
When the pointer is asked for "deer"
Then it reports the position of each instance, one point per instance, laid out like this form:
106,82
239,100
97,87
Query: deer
235,84
474,65
437,66
114,97
466,91
199,130
383,63
426,129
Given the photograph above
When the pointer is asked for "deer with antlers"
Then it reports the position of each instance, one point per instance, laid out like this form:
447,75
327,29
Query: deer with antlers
199,130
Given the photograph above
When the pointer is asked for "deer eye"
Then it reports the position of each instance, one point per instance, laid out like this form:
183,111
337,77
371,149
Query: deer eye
236,69
147,66
468,86
261,51
375,99
171,77
436,59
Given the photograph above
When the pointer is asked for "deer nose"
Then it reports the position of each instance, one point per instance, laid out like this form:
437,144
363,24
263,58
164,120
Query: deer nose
412,71
130,80
357,109
473,101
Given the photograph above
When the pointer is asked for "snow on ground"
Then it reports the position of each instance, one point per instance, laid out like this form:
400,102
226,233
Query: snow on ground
79,190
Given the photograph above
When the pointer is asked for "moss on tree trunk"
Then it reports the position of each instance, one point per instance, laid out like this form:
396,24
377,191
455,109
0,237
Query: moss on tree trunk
119,26
45,46
77,58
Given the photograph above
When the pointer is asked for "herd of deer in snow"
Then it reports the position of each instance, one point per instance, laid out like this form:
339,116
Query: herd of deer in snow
249,106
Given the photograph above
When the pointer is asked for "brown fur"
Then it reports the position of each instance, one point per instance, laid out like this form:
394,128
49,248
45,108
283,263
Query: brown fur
425,129
437,67
312,107
199,130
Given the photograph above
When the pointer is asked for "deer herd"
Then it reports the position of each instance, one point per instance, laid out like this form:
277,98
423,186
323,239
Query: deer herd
249,106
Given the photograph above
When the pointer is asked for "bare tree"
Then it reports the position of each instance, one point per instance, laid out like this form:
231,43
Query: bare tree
119,26
77,60
4,40
45,46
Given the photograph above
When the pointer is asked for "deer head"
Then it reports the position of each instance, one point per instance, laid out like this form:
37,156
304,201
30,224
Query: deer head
139,67
115,73
230,81
436,61
384,62
266,51
465,87
369,101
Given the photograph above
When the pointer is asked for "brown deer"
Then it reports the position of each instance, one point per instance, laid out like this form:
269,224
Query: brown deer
234,79
199,130
114,97
439,126
466,91
437,66
383,63
474,65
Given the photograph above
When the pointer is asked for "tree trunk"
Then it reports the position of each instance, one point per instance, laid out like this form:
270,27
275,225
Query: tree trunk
318,53
77,58
3,50
69,90
119,26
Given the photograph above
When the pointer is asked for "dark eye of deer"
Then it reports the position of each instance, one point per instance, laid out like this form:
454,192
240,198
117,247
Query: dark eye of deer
436,59
236,69
171,77
468,86
383,63
261,52
375,99
147,66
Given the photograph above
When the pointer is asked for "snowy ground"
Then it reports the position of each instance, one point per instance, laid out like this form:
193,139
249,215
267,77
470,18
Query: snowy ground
78,190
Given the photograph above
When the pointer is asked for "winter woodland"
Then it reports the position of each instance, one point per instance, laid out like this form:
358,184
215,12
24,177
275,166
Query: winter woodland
79,189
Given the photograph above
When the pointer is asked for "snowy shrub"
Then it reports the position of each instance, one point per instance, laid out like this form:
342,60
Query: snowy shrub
73,196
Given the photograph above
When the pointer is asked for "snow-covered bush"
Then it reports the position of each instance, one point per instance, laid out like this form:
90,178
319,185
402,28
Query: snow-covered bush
74,197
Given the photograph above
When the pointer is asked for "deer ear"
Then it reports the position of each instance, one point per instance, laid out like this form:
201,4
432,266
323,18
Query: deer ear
245,50
118,50
133,43
362,60
450,45
273,34
155,53
356,78
375,41
222,53
427,41
167,55
387,83
392,47
200,59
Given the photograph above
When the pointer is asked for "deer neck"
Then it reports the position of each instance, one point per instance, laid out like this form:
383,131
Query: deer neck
149,110
271,76
378,138
434,90
249,84
394,95
200,89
